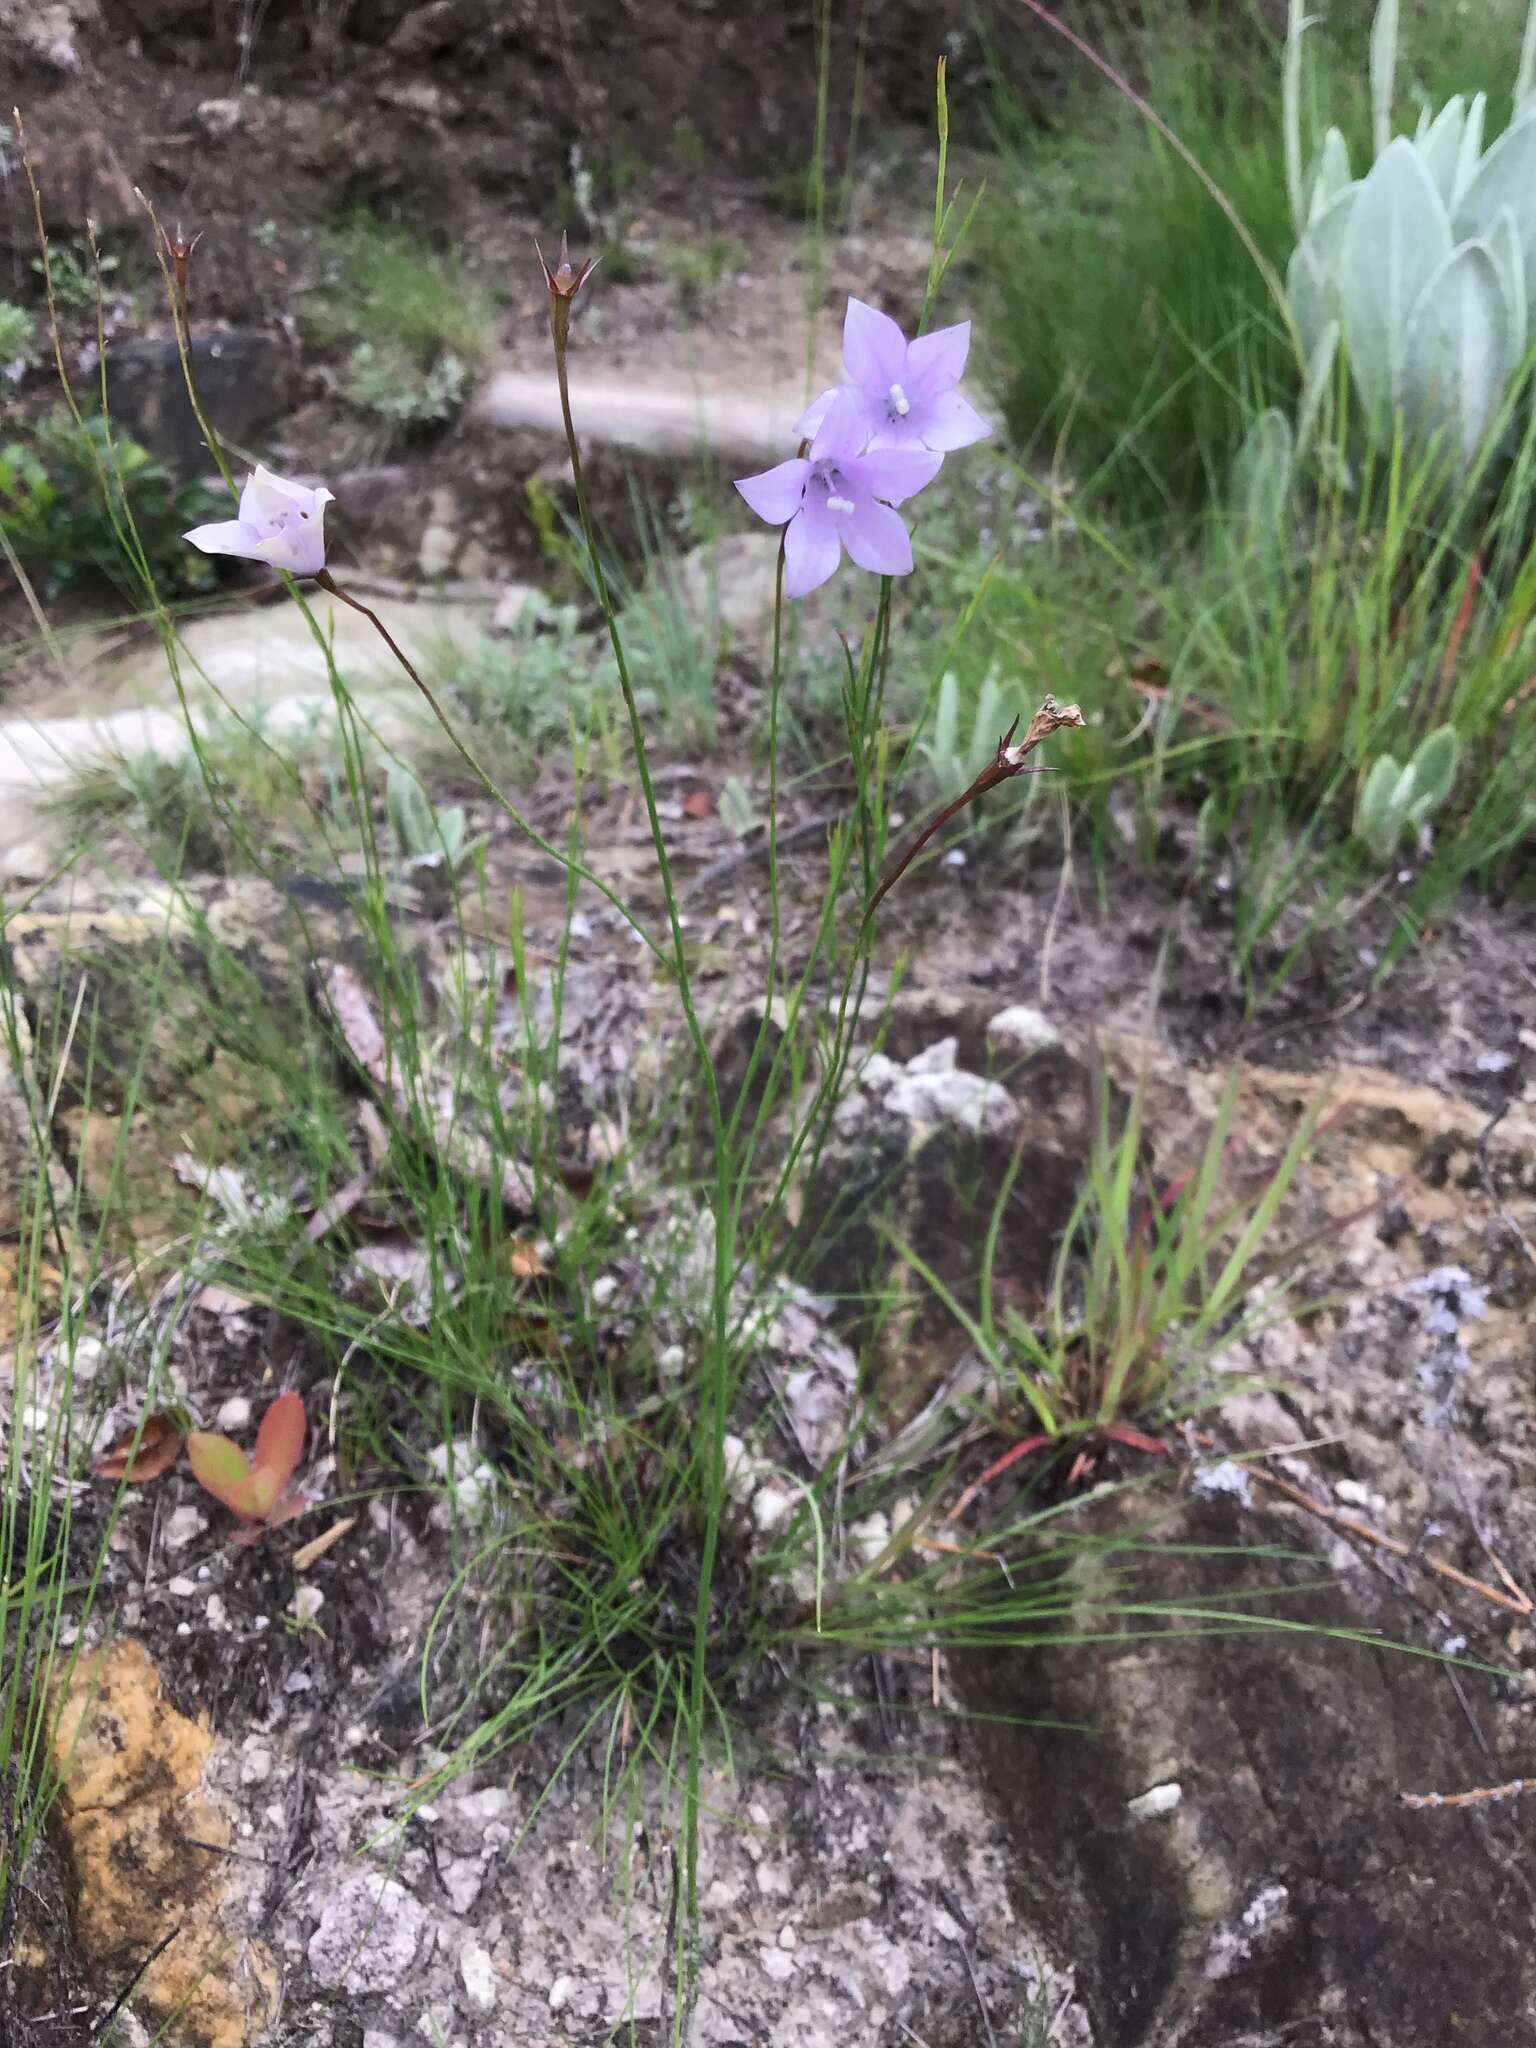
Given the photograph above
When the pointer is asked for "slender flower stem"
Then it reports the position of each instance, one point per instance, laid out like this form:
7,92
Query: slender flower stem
328,583
718,1379
743,1094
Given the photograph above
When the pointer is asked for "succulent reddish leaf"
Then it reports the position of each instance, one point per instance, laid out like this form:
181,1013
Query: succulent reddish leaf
221,1468
279,1447
141,1455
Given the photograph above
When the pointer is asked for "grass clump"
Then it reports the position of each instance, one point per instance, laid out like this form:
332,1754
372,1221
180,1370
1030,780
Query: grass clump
417,324
1154,1276
204,815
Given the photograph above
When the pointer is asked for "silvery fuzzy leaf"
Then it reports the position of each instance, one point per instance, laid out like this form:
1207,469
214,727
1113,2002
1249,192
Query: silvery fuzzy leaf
1331,175
1525,77
1470,154
1505,177
1398,236
1383,72
1290,112
1319,377
1312,282
1457,362
1503,243
1261,478
1433,768
1440,145
1379,817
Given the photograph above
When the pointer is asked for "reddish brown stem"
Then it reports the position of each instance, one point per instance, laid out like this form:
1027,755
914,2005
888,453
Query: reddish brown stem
1009,760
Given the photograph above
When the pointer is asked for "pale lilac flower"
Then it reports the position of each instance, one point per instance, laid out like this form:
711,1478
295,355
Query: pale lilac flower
903,392
838,496
280,523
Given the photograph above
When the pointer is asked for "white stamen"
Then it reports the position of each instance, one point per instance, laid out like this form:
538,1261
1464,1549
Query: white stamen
839,504
901,405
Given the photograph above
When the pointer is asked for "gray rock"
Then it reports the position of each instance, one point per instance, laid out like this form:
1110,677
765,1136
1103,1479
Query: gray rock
240,381
930,1089
369,1934
1288,1895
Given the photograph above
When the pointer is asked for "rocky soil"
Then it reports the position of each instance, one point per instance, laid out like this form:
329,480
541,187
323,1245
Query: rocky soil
1173,1836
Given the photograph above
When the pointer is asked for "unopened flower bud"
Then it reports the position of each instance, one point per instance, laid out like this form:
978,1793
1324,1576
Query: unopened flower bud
564,282
181,257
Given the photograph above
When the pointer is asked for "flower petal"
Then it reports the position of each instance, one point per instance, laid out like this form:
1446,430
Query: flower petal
846,426
300,549
775,494
894,474
950,421
809,422
226,537
268,497
877,540
936,362
874,348
812,551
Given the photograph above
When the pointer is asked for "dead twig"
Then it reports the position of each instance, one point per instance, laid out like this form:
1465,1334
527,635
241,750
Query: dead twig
1480,1795
1009,760
1514,1602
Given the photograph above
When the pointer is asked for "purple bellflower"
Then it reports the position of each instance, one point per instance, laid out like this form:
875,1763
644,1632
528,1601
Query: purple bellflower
840,496
280,523
903,392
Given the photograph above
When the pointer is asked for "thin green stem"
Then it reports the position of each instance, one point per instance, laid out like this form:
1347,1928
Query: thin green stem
719,1373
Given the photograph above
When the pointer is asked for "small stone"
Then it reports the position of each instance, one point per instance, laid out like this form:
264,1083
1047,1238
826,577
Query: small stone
672,1362
561,1993
219,118
604,1288
772,1506
870,1537
479,1977
788,1937
182,1527
463,1879
217,1613
776,1964
939,1058
255,1767
235,1414
774,1880
181,1588
369,1934
1151,1805
85,1361
479,1809
1022,1030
